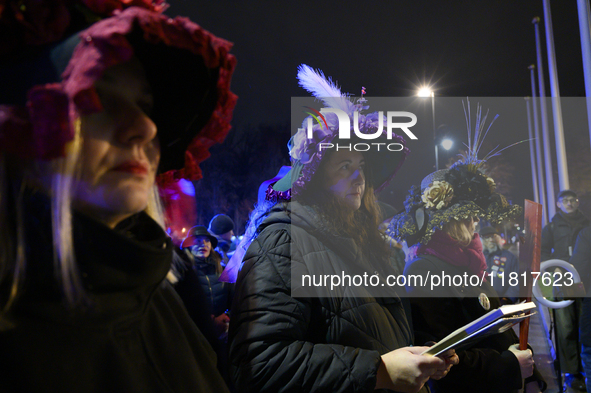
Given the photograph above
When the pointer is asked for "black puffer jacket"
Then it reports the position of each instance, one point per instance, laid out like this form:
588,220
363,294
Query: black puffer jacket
284,344
202,272
559,236
581,260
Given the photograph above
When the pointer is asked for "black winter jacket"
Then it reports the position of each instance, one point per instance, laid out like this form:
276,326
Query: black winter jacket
135,336
280,343
487,366
201,272
559,237
501,263
581,259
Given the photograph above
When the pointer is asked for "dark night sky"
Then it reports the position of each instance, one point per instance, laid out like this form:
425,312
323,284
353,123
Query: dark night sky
464,48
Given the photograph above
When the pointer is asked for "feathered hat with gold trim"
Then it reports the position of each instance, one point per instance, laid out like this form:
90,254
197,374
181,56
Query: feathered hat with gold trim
460,192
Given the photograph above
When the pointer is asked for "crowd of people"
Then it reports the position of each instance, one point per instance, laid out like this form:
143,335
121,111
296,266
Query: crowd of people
95,297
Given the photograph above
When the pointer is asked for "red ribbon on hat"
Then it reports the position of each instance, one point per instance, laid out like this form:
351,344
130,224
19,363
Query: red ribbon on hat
42,129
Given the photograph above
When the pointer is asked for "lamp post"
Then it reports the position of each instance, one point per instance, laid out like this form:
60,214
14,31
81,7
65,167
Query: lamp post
447,143
427,92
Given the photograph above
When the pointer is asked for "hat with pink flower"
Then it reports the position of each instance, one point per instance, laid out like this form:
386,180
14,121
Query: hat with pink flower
306,154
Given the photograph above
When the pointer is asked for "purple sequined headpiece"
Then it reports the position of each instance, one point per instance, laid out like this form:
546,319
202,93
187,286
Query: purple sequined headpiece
305,153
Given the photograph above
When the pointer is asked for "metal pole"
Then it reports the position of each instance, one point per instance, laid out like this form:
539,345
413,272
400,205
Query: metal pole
585,29
434,131
543,112
538,140
532,154
556,105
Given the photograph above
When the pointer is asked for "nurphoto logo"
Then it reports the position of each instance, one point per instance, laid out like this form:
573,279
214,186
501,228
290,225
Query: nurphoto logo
392,122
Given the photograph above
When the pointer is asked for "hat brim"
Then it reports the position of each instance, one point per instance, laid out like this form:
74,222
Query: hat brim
404,227
382,165
188,69
188,242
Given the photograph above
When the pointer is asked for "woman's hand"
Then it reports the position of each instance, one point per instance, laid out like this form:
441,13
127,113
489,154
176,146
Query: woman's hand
451,359
221,324
525,359
406,370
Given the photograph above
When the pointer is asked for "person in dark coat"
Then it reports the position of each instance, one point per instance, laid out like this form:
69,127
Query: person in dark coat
439,225
87,121
290,336
558,241
500,263
222,227
581,260
200,289
203,263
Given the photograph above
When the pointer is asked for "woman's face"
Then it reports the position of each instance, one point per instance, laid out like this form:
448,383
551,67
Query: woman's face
344,177
201,247
120,152
470,224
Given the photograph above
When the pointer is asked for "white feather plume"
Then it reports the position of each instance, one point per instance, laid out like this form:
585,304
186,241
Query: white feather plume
322,88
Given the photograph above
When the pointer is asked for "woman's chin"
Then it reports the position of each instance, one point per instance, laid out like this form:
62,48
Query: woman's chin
112,207
353,201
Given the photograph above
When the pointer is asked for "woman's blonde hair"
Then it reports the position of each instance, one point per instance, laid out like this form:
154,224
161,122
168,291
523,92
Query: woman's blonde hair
458,230
15,179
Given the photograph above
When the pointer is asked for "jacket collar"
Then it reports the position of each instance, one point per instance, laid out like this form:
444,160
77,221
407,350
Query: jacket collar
133,258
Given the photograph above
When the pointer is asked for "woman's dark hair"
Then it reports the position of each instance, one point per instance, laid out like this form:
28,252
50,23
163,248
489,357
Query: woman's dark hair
215,259
187,260
360,225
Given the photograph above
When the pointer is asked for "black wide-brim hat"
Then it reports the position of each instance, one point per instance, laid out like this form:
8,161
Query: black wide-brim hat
188,69
196,231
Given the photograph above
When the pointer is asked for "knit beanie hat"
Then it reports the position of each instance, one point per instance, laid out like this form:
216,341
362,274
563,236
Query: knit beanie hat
221,224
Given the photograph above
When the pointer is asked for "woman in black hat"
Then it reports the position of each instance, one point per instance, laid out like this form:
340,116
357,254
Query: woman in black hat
203,267
320,220
87,121
197,272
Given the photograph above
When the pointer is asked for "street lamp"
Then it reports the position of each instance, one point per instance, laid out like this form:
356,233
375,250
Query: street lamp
426,91
447,143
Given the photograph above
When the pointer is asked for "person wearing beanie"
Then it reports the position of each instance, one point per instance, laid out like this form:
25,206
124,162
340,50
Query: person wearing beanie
501,263
222,227
100,101
558,241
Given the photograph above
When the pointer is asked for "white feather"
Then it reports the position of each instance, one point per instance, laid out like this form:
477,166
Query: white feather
322,88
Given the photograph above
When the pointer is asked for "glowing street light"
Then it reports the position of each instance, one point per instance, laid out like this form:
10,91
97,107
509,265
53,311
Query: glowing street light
425,92
447,143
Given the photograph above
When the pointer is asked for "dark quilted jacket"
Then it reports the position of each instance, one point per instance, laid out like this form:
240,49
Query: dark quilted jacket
217,292
284,344
559,237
